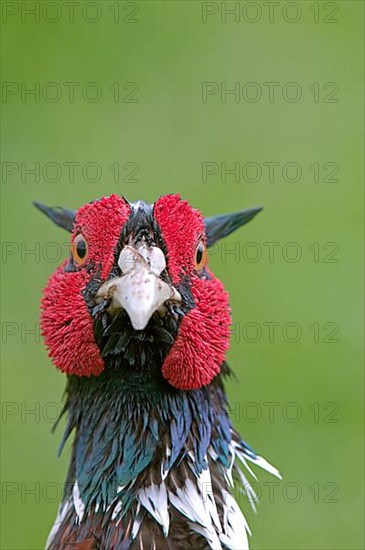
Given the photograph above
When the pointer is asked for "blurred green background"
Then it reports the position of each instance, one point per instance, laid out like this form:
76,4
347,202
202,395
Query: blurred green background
314,386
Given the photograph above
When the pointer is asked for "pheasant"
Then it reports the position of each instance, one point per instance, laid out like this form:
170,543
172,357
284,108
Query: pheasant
140,325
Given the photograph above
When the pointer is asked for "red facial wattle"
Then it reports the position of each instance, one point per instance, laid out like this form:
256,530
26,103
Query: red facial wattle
67,325
203,338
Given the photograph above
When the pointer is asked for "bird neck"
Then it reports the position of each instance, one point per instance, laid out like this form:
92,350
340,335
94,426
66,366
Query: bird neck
126,429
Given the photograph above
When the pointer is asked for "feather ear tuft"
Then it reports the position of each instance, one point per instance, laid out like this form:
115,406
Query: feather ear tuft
64,217
220,226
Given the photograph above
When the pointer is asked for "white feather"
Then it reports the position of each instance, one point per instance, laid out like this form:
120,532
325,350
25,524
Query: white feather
210,537
248,490
228,472
234,525
137,521
264,464
190,502
62,513
116,510
164,473
78,503
154,499
205,486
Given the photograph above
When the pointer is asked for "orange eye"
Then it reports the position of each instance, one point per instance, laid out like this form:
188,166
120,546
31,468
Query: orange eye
201,256
79,249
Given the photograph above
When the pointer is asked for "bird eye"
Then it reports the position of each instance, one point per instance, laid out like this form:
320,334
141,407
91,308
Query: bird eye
79,249
201,256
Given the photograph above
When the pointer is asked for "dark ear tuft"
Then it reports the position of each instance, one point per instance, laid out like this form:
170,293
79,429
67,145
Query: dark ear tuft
222,225
64,217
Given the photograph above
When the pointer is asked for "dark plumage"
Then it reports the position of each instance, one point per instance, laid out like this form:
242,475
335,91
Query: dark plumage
140,325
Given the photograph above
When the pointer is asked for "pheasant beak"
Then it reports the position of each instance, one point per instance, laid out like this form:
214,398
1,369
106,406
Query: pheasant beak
140,291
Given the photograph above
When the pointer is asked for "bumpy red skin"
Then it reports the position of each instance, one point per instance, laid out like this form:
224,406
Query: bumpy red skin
203,337
67,325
